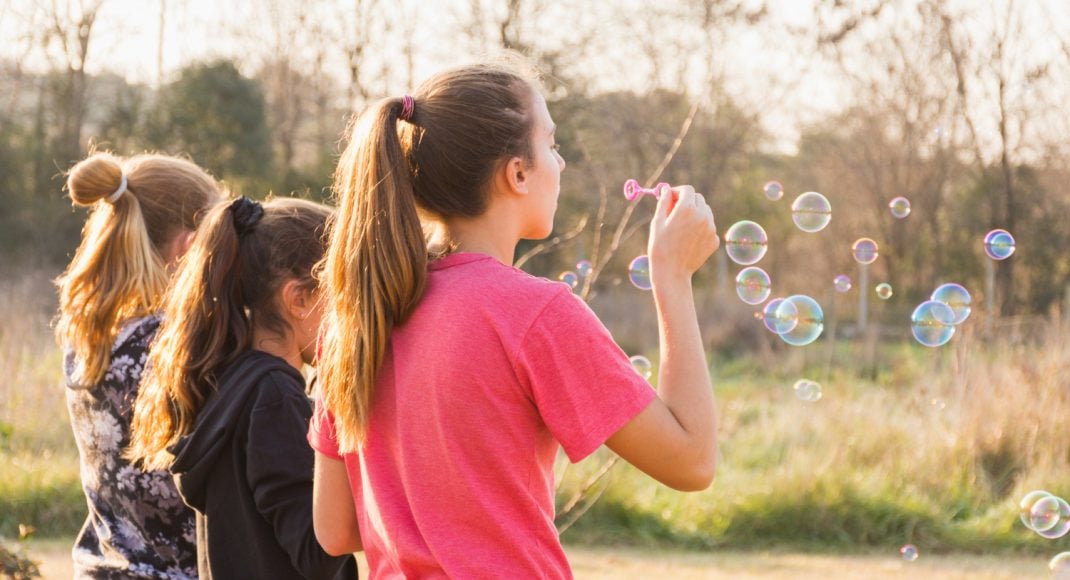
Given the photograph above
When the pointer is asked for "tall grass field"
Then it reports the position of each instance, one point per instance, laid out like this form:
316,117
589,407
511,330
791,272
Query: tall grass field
932,447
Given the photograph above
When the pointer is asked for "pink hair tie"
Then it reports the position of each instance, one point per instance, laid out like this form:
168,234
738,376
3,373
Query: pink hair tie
407,106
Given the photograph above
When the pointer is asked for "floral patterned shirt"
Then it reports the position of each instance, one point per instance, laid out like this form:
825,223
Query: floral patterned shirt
138,526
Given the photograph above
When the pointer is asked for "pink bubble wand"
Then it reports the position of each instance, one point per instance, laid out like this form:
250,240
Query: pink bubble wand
632,190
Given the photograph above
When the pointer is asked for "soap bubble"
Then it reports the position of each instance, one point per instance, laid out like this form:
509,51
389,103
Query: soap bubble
900,207
1060,512
1025,505
999,244
746,242
955,296
584,267
773,190
780,316
642,365
842,283
639,272
864,250
909,552
884,290
811,212
806,390
811,320
932,323
1060,566
570,278
753,285
1044,514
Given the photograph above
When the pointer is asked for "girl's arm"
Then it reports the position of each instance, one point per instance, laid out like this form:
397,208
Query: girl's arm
674,440
334,517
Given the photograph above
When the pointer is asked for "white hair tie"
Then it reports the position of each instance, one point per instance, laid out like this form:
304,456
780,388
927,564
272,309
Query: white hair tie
118,192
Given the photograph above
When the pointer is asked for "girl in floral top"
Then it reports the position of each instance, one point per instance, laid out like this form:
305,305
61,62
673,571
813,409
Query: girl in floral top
144,210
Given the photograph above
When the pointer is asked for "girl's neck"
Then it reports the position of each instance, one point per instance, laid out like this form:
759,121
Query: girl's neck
481,235
282,347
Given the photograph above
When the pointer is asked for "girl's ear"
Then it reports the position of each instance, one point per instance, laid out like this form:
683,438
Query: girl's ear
514,173
297,300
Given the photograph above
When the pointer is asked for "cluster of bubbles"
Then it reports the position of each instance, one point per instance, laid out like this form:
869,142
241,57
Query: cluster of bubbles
807,391
573,277
1046,514
933,322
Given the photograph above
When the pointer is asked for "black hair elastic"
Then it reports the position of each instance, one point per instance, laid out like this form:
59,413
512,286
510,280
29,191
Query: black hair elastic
246,213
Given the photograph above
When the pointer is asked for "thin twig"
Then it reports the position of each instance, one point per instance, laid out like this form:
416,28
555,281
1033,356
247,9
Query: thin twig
553,242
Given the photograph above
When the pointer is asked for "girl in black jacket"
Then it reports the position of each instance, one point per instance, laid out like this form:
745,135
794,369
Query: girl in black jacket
224,404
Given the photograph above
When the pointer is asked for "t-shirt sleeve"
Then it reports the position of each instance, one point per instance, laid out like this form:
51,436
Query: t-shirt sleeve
321,435
582,383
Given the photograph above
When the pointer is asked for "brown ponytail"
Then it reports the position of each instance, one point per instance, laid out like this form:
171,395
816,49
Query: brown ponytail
119,271
435,165
226,287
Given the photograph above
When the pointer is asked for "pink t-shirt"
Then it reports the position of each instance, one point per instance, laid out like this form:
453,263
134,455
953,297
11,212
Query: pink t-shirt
492,372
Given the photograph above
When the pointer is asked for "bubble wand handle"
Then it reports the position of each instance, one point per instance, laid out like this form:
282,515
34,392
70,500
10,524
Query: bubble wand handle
632,190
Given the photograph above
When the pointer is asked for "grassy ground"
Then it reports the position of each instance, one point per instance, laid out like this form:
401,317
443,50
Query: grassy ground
932,447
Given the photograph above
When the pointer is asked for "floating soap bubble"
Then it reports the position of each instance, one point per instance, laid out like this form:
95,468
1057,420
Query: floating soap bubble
909,552
639,272
864,250
806,390
900,207
753,285
632,190
1025,505
1060,566
746,242
1051,508
884,290
780,316
811,212
932,323
999,244
773,190
1044,514
584,268
570,278
955,296
842,283
642,365
811,320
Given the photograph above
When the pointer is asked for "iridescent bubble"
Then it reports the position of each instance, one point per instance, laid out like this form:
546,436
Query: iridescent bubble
639,272
753,285
909,552
584,267
900,207
884,290
1060,565
642,365
1044,514
864,250
1025,505
773,190
932,323
811,320
811,212
999,244
955,296
569,278
1061,514
842,283
780,316
746,242
807,390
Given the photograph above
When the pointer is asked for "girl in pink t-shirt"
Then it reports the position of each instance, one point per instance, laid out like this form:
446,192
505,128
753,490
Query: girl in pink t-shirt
450,379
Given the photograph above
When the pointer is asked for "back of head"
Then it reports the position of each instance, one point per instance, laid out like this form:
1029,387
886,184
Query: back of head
227,285
119,272
431,157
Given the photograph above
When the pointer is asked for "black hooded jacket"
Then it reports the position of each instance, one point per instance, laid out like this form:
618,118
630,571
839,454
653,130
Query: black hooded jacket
246,468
